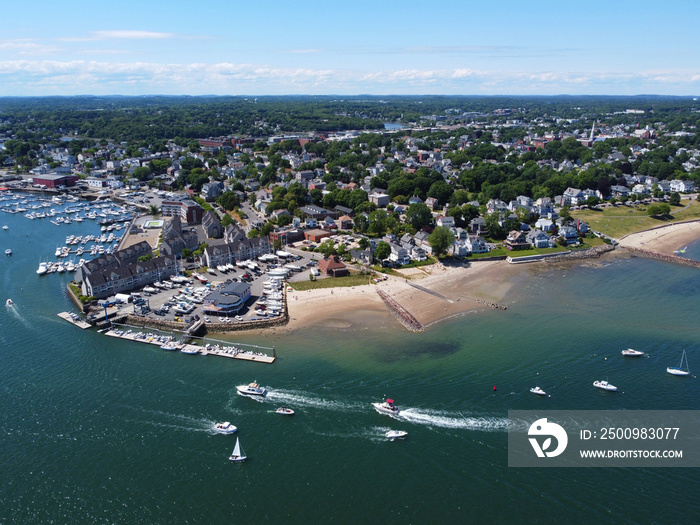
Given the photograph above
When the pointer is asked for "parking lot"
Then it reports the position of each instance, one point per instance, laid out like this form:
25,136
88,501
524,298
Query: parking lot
182,301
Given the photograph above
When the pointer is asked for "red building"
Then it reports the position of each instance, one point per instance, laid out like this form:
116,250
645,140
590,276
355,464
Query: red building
56,180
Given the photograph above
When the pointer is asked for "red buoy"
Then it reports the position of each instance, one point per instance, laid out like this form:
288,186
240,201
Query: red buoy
494,388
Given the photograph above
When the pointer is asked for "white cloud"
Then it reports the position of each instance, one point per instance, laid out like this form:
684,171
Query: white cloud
120,35
26,47
36,77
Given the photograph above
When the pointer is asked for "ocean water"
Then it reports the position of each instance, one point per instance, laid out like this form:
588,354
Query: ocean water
97,430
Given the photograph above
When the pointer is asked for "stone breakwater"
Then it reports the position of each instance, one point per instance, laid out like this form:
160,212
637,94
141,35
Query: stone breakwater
495,306
640,252
404,317
591,253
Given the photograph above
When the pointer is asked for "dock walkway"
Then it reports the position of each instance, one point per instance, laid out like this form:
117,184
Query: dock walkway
77,321
229,350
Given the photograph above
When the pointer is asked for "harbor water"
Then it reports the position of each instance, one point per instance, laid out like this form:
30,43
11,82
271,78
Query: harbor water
100,430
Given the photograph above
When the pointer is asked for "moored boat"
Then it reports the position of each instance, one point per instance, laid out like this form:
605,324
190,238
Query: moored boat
679,370
251,389
631,352
604,385
538,391
387,407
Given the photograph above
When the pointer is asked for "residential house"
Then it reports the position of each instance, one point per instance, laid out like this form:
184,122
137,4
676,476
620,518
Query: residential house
516,240
569,233
211,224
537,238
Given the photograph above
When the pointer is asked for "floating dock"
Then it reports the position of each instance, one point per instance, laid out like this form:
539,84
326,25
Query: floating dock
231,351
74,319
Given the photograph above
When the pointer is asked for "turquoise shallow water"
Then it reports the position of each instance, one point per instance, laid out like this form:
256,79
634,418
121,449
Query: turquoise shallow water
95,430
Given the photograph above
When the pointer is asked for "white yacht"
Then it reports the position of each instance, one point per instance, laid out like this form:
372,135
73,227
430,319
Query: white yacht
396,434
43,268
169,345
387,407
537,390
225,428
604,385
252,389
631,352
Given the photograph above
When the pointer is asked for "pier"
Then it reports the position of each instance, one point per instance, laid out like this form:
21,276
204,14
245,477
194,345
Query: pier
74,319
221,348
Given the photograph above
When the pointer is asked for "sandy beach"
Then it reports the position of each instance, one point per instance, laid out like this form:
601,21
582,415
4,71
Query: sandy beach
438,292
665,239
431,294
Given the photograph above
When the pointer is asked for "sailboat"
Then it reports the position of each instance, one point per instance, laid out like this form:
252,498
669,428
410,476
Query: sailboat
237,454
679,370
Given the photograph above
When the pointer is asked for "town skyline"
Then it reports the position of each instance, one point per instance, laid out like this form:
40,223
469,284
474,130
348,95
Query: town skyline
133,48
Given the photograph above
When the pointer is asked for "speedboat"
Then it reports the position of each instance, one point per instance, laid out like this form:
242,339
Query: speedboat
169,345
604,385
189,349
252,389
285,411
537,390
8,252
225,428
387,407
396,434
9,302
630,352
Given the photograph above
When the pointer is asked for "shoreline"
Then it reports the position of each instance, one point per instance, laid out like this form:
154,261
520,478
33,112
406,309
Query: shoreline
436,293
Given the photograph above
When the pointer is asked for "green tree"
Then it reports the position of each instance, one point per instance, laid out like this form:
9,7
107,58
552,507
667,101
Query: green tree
441,239
226,220
675,199
659,210
154,210
382,251
418,215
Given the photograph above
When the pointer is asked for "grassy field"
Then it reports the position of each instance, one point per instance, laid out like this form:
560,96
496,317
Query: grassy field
618,221
331,282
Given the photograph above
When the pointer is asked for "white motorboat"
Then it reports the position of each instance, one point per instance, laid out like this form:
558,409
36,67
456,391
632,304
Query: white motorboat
679,370
225,428
396,434
8,252
188,349
9,302
169,345
43,268
604,385
537,390
387,407
631,352
284,411
251,389
6,227
237,454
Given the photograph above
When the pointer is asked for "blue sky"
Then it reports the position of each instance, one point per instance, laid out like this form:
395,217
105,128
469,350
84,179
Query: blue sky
613,47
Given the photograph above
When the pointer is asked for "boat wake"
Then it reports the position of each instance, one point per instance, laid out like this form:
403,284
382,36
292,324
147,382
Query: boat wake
295,399
12,309
437,418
